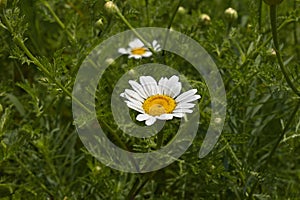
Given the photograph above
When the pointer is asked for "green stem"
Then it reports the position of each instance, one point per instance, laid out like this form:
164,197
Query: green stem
283,132
60,23
295,32
115,135
136,188
160,138
147,11
144,183
170,24
259,14
18,40
254,53
34,177
132,192
268,159
283,69
134,31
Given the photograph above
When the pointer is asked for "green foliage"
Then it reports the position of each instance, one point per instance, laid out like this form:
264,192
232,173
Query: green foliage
43,45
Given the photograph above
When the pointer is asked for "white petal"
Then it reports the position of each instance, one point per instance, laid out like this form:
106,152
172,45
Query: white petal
142,117
170,83
123,51
152,85
150,121
185,105
136,43
170,87
122,95
186,95
161,84
165,117
134,101
135,56
190,99
174,85
154,43
179,115
147,54
138,88
133,94
149,84
156,46
143,83
182,110
134,106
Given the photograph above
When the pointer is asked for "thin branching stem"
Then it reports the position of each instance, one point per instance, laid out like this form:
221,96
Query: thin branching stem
170,24
270,155
259,14
122,17
273,18
20,42
60,23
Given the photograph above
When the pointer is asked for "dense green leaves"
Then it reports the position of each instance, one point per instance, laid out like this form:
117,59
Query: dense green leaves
43,44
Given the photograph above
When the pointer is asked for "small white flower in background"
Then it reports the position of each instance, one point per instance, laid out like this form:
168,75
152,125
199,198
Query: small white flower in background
159,101
137,49
156,46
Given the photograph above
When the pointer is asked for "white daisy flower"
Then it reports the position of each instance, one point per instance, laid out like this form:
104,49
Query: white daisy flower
159,101
138,50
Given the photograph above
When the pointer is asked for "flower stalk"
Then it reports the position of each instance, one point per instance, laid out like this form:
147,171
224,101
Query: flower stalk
273,18
60,23
116,10
20,42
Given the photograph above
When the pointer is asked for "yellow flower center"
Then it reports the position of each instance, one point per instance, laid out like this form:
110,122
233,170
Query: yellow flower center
159,104
139,51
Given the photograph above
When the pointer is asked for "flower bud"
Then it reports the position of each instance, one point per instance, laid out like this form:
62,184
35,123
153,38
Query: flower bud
205,19
273,2
132,72
110,61
110,7
271,52
230,14
99,24
181,10
1,109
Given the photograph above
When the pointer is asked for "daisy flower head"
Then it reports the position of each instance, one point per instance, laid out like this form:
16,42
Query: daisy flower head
137,49
159,100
